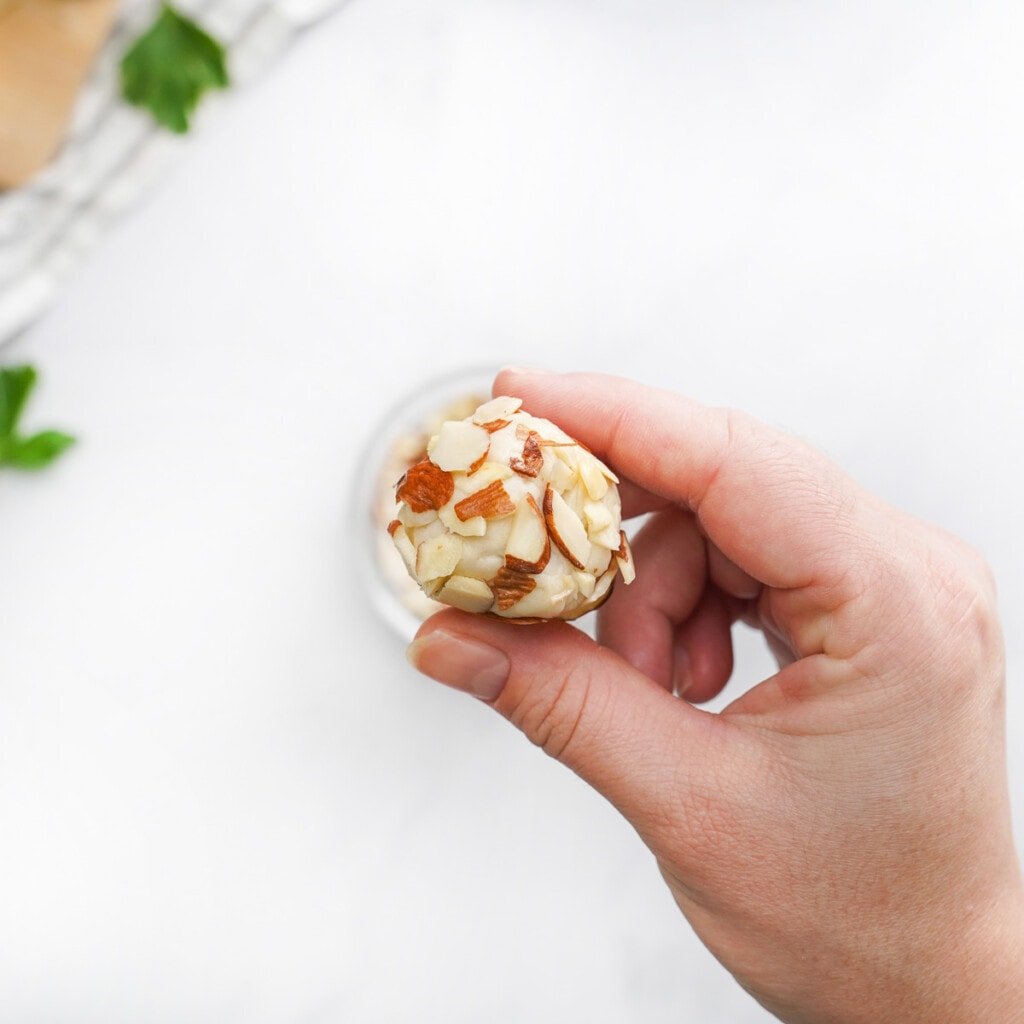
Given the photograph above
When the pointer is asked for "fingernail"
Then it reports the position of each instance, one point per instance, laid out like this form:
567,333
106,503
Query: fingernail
466,665
527,371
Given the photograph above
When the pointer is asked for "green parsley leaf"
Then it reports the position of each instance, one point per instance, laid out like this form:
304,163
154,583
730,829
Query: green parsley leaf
39,450
34,452
170,66
15,384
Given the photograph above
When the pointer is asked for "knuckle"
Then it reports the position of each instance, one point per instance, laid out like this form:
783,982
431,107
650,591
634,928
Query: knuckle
552,714
965,617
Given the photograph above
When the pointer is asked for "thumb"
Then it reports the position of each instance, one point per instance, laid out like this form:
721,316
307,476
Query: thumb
643,749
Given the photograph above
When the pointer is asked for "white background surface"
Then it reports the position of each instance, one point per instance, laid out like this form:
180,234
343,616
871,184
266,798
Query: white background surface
223,796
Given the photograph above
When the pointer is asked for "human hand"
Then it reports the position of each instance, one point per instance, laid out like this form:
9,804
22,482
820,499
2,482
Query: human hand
839,836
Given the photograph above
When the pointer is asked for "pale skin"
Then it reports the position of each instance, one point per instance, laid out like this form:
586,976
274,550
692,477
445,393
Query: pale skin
839,836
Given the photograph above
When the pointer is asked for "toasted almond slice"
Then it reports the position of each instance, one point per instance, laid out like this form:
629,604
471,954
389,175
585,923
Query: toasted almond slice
410,520
437,557
625,559
405,548
593,479
469,594
492,502
532,459
510,586
497,408
493,426
459,445
425,486
529,546
473,527
393,525
566,529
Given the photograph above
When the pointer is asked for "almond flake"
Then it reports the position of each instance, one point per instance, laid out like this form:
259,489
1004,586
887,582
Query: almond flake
469,594
410,520
492,502
473,527
593,479
566,529
625,559
438,557
459,445
510,586
497,408
425,486
532,460
493,426
529,546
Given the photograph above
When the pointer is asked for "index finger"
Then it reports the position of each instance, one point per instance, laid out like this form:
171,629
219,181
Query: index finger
775,506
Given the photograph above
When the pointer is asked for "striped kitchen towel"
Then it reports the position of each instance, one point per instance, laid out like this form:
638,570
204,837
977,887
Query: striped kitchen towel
113,151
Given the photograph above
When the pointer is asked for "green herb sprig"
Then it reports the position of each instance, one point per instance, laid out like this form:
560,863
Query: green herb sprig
36,450
169,68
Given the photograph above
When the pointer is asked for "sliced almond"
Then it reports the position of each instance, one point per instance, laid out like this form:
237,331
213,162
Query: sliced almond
529,546
405,548
593,479
625,559
585,583
602,591
476,526
566,529
596,516
469,594
459,445
510,586
476,465
493,426
551,434
478,564
437,557
425,486
576,498
393,525
492,502
606,538
546,601
497,408
486,474
411,519
560,476
532,459
569,454
607,472
418,534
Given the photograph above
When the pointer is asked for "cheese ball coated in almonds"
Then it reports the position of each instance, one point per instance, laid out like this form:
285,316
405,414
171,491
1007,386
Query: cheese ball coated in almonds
510,516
